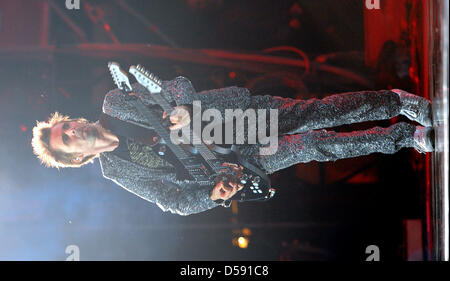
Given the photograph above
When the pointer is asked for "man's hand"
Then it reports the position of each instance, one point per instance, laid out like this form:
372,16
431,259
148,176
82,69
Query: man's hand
224,191
179,117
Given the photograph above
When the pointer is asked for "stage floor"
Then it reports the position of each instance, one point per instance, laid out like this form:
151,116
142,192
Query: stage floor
437,227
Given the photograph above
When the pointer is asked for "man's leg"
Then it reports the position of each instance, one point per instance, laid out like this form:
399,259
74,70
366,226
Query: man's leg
298,116
323,145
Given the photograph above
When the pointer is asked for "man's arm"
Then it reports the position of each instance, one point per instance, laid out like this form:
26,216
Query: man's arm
225,98
181,91
184,199
178,90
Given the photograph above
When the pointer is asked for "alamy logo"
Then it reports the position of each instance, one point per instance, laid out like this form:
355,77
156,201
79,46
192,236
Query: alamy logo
73,4
73,253
373,4
212,132
374,253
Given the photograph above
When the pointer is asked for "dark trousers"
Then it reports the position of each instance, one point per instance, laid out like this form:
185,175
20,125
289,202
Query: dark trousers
301,124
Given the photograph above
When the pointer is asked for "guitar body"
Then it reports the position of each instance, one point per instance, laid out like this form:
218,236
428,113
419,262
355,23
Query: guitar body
257,185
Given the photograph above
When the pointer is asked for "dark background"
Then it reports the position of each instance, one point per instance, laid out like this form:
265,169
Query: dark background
322,211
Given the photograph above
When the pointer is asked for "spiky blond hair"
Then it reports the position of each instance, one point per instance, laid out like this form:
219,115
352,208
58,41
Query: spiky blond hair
41,144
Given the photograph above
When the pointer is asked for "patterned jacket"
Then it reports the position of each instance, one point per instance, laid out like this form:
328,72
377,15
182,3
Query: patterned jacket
157,185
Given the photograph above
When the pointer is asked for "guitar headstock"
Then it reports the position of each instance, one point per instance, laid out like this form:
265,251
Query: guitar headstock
146,79
119,76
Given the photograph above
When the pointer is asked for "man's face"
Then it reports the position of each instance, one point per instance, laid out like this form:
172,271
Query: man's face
74,137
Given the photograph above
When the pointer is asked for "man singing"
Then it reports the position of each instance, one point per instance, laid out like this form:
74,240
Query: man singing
65,142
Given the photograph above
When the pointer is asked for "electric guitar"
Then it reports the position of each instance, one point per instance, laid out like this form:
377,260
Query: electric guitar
201,162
